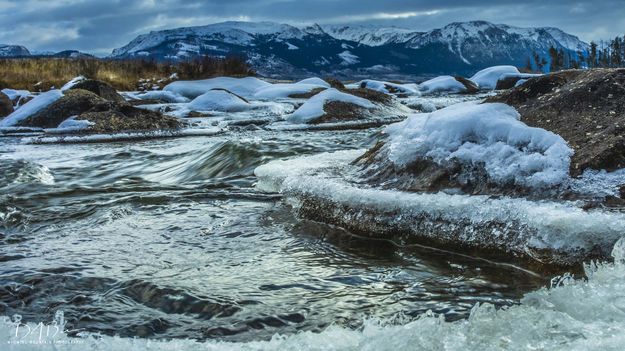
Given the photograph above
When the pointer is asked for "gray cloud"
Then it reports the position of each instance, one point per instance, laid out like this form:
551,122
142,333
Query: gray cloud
100,25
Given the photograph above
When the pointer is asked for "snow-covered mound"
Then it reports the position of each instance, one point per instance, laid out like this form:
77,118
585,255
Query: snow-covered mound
488,78
488,134
549,231
313,108
162,95
73,82
245,87
35,105
442,84
16,95
386,87
284,90
219,100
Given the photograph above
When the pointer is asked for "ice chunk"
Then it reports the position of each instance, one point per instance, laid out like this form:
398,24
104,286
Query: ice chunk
284,90
313,108
315,81
35,105
442,84
14,94
488,134
219,100
245,87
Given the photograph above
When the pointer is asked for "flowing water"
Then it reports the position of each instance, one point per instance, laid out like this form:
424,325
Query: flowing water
168,239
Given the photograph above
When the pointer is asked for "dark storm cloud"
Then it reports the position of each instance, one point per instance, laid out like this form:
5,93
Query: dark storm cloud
100,25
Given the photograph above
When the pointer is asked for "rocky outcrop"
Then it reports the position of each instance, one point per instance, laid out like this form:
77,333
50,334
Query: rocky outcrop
585,107
107,116
73,103
101,89
6,105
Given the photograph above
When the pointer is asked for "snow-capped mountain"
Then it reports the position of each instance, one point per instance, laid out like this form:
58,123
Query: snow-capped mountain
281,50
13,51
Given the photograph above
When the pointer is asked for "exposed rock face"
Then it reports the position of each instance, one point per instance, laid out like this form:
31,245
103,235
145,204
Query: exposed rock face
112,117
508,82
335,83
307,95
107,116
471,87
585,107
6,105
101,89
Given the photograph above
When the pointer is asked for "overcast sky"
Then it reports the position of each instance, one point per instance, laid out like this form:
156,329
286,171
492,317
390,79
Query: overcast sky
98,26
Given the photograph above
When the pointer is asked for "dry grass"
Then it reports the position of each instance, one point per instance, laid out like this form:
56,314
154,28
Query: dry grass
40,74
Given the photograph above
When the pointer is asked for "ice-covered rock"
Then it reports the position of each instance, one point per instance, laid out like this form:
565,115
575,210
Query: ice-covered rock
101,89
245,87
284,90
34,106
219,100
488,136
386,87
158,95
315,108
327,188
499,77
446,84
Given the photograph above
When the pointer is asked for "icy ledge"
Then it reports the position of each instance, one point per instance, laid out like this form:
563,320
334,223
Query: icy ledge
551,232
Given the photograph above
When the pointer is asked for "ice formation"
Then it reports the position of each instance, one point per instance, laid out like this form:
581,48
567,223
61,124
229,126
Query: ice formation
487,134
442,84
219,100
245,87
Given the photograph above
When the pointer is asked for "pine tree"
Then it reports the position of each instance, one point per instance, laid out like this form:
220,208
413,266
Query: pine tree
592,57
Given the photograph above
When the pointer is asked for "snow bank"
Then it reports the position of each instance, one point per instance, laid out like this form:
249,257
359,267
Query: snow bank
488,78
218,100
163,95
488,134
35,105
442,84
315,81
284,90
386,87
245,87
313,108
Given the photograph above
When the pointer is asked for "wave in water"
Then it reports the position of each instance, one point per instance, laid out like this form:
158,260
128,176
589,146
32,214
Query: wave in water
586,314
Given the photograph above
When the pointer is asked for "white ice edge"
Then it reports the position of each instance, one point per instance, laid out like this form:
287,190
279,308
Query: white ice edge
562,226
94,138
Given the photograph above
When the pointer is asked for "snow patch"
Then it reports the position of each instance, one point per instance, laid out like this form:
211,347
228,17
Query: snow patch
442,84
348,58
219,100
245,87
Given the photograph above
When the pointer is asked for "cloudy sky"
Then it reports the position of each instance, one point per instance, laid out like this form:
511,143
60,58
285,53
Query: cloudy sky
98,26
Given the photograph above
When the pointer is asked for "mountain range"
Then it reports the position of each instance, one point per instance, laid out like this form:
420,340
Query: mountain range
282,50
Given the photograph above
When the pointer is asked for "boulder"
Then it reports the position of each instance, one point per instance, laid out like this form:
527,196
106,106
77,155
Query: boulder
335,83
101,89
585,107
6,105
106,116
111,118
72,103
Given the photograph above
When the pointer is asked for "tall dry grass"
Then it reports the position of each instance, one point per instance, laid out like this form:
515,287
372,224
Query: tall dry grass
40,74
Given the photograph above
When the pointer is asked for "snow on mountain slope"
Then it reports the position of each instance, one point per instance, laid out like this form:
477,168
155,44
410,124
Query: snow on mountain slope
370,35
13,50
282,50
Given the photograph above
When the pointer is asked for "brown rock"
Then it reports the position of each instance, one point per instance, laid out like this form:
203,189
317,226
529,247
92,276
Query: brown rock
101,89
116,118
335,83
73,103
6,105
471,87
585,107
